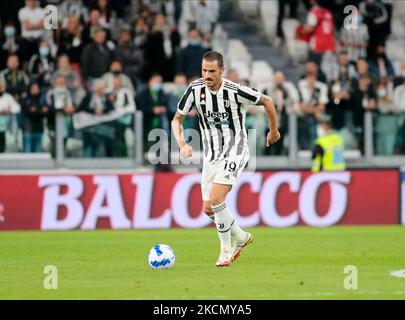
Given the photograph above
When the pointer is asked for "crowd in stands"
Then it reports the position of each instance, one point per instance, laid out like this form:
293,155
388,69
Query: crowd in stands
347,74
110,57
103,57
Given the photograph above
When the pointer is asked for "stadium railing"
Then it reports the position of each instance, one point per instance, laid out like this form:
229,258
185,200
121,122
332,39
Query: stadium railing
296,158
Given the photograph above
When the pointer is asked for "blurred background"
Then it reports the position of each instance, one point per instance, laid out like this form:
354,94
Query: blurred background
111,71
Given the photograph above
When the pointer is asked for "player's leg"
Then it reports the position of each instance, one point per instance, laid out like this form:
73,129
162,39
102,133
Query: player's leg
227,175
208,210
207,177
223,221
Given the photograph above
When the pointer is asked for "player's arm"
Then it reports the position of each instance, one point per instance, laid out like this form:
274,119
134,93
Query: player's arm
183,108
273,136
178,132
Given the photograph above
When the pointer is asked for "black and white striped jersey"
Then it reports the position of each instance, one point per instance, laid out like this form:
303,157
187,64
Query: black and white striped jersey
221,116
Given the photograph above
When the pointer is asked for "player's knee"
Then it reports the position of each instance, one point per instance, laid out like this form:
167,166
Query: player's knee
207,209
216,201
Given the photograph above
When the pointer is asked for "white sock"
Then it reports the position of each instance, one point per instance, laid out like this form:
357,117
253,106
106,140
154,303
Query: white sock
238,234
212,217
224,222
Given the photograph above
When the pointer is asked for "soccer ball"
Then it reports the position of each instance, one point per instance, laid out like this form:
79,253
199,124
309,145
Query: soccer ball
161,256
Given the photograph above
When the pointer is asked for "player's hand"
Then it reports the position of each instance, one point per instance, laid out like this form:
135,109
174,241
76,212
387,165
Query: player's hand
186,151
272,137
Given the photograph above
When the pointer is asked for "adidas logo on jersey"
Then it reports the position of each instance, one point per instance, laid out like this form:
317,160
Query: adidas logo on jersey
217,115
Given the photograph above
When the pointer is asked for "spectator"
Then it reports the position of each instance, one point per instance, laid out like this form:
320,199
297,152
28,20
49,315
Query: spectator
321,28
202,14
399,102
16,80
160,48
362,99
116,71
141,31
34,111
103,7
8,106
286,100
96,58
73,81
58,99
313,97
130,55
189,61
153,101
123,101
354,39
9,45
380,66
312,67
93,26
98,103
339,107
32,25
180,86
70,40
345,70
123,96
146,15
387,124
42,65
327,154
206,41
362,68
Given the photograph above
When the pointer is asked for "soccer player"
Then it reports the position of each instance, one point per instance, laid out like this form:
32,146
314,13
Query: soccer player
221,105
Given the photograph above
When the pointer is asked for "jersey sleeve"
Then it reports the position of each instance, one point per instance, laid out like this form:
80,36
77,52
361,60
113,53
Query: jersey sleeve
186,102
248,96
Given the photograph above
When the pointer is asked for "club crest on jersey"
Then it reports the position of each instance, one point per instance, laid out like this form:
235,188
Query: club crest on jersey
227,103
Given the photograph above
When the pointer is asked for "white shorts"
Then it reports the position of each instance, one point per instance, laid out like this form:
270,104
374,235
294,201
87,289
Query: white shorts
225,171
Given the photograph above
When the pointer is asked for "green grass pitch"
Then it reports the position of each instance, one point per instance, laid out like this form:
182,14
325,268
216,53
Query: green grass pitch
294,263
